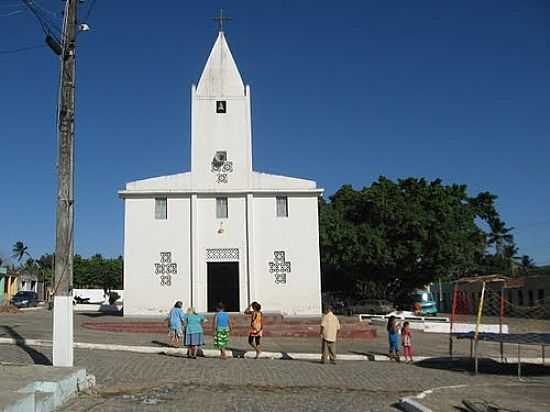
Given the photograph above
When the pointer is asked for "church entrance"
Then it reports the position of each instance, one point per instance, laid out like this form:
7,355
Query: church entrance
223,285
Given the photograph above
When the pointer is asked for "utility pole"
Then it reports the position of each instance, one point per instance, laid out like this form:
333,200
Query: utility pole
64,242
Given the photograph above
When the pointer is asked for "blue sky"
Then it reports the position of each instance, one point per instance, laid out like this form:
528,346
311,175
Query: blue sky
342,92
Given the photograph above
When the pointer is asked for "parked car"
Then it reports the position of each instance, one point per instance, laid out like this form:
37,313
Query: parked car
25,299
372,306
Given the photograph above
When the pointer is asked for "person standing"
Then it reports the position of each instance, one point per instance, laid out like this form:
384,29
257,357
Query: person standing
256,326
194,333
393,337
222,329
176,317
406,342
330,325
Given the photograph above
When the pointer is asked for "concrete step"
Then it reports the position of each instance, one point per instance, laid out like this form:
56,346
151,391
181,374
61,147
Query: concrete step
39,388
286,328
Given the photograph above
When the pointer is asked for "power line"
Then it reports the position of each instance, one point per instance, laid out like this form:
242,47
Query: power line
89,12
12,13
44,21
21,49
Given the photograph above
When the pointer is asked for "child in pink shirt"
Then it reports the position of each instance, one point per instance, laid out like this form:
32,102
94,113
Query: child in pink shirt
406,342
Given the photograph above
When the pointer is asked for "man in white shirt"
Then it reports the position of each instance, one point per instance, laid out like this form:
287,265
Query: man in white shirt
330,325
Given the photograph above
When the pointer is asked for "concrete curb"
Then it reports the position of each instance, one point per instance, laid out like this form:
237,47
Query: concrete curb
213,353
410,405
46,389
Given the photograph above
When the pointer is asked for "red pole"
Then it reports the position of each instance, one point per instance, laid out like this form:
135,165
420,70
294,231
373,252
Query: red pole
453,310
501,320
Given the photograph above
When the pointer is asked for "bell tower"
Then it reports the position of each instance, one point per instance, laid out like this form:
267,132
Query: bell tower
221,135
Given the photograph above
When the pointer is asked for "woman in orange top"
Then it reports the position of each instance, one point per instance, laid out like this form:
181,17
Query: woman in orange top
256,326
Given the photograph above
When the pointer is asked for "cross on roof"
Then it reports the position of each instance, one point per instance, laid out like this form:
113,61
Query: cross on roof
220,19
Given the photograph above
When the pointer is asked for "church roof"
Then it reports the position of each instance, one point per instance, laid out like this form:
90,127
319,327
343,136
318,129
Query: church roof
220,76
182,183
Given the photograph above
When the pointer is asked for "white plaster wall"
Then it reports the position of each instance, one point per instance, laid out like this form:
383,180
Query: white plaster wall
97,295
298,236
233,236
144,239
212,132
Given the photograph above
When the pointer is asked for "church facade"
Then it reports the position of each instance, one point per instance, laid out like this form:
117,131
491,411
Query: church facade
221,232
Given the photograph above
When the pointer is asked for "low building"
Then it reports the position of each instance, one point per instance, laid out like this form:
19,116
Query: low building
517,291
8,284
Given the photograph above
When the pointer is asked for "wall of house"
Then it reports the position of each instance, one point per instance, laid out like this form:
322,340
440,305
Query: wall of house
97,295
145,238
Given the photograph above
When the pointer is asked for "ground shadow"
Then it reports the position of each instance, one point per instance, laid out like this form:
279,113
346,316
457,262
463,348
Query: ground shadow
486,366
237,353
100,314
370,355
162,344
37,357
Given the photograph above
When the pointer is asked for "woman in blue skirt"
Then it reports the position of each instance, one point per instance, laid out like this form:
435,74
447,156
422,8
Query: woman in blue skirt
194,334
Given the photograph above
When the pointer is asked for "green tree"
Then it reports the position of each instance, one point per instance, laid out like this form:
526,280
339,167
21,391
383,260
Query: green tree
401,235
526,264
98,272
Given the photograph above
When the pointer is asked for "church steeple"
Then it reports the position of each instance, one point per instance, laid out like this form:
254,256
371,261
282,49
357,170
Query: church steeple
221,131
220,76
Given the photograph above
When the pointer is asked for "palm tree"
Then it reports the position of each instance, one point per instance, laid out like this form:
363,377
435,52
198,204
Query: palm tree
500,236
511,259
526,263
20,250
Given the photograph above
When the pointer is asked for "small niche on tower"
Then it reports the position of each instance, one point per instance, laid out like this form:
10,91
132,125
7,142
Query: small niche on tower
221,106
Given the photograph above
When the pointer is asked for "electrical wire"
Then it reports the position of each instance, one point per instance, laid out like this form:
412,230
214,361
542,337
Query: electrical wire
11,13
21,49
45,21
89,12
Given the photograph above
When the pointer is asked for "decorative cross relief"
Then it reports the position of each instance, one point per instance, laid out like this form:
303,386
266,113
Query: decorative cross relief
165,269
279,267
222,167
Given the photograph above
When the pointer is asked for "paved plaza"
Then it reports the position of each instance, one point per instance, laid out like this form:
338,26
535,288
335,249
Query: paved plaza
38,325
146,382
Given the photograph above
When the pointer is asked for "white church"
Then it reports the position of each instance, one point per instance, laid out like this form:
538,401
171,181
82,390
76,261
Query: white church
221,232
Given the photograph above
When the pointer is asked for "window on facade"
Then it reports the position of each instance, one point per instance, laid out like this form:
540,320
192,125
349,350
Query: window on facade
540,296
510,296
221,106
520,297
161,208
221,208
531,298
282,206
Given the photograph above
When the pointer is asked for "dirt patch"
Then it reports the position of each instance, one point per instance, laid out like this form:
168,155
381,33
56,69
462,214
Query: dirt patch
9,309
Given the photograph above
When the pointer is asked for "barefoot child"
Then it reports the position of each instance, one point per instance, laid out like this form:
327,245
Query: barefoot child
175,321
256,326
393,337
406,342
222,328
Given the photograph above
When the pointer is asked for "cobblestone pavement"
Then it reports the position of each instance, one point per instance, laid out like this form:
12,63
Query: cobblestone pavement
38,325
130,381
